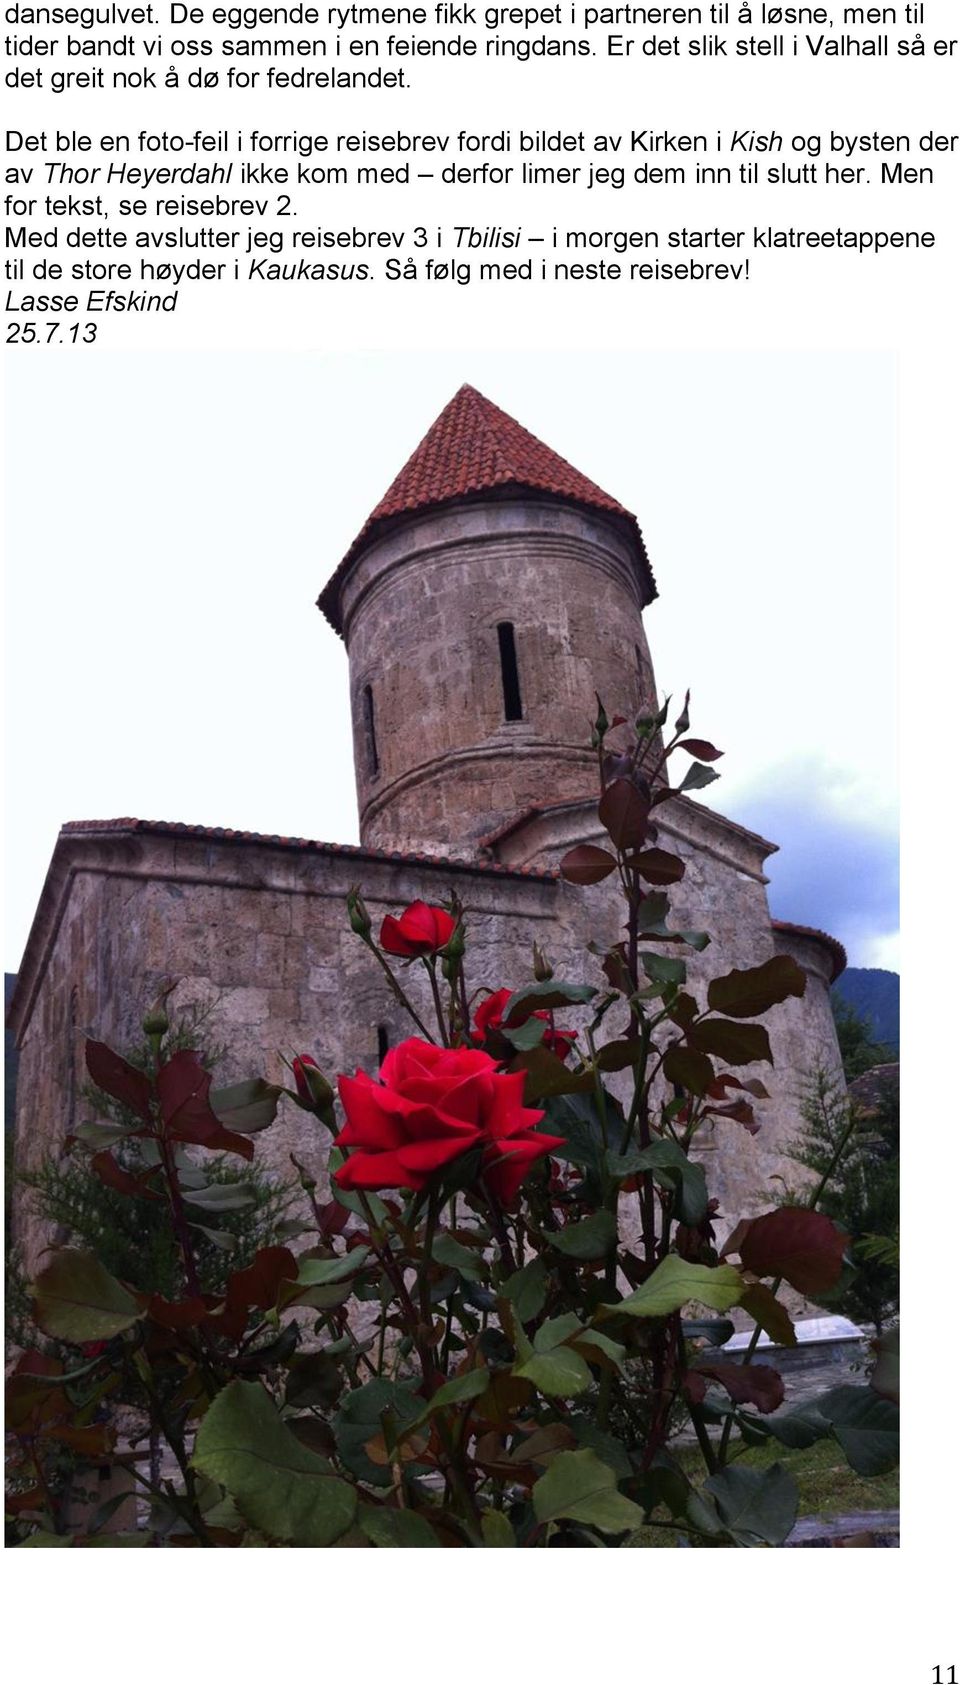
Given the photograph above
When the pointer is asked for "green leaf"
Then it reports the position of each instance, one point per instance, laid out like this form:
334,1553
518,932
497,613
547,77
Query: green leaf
527,1289
576,1118
674,1283
610,1451
496,1529
579,1487
360,1419
76,1299
221,1238
395,1528
460,1390
652,912
591,1238
698,939
221,1196
763,1305
315,1273
467,1262
278,1485
660,968
561,1373
553,1366
865,1426
747,994
545,997
246,1106
755,1504
590,1339
527,1035
104,1134
697,777
41,1540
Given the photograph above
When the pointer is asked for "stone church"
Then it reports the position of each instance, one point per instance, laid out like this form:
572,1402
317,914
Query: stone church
490,593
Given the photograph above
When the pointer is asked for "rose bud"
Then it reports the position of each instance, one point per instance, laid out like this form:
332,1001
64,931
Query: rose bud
420,930
314,1093
359,917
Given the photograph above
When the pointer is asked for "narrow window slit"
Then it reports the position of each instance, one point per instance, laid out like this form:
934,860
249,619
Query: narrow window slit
512,706
370,732
383,1043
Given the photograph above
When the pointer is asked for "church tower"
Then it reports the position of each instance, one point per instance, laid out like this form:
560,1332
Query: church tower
490,593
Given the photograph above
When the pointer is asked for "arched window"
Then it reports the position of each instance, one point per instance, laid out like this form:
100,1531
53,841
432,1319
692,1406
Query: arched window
370,733
509,674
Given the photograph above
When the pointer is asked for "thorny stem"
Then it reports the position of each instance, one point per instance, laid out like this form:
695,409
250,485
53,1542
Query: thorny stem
431,967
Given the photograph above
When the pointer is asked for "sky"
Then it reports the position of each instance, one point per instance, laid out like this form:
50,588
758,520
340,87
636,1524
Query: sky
170,524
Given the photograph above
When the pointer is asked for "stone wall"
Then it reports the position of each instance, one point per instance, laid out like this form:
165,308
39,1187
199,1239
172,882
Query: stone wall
258,932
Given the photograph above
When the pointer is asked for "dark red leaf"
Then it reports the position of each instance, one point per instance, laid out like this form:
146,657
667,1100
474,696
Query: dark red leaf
176,1314
745,994
726,1079
804,1247
257,1285
623,813
694,1386
657,865
113,1175
121,1081
94,1440
700,750
615,970
587,864
739,1044
688,1069
618,1055
333,1217
738,1111
747,1383
684,1009
184,1089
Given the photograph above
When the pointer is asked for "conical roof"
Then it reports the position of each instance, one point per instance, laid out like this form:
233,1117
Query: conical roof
474,450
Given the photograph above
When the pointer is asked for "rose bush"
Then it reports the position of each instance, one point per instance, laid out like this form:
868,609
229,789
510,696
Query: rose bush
501,1349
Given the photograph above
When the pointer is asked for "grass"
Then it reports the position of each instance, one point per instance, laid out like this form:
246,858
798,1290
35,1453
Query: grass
826,1482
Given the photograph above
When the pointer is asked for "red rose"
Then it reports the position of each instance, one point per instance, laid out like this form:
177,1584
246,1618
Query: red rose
419,930
432,1105
489,1016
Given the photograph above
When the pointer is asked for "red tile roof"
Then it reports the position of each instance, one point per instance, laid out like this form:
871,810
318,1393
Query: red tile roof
835,948
219,833
473,449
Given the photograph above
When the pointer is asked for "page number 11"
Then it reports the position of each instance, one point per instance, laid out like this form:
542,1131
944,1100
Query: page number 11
945,1676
